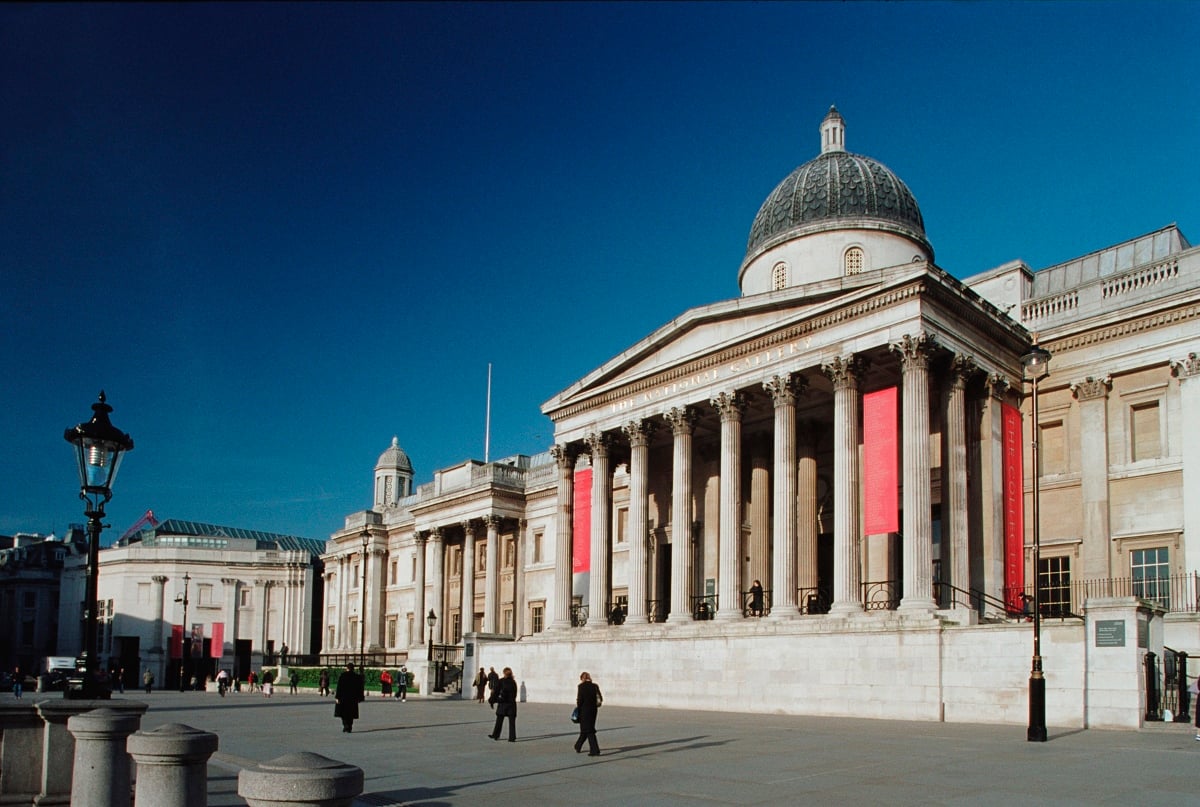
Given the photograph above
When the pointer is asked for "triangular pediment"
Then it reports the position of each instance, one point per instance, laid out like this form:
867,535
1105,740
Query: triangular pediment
717,327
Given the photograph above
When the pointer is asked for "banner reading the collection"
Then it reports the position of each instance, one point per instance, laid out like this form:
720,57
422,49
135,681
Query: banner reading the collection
881,503
1014,509
581,523
217,647
176,646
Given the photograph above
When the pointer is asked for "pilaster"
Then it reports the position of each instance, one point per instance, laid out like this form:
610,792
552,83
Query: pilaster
1188,373
1092,394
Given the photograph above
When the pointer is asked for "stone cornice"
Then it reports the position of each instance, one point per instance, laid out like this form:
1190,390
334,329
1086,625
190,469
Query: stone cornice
1137,325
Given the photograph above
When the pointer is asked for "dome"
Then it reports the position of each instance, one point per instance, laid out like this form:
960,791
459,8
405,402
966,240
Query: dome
394,457
836,189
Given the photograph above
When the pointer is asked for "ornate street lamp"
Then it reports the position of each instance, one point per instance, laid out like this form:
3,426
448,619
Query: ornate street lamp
430,620
185,641
99,447
1036,364
362,617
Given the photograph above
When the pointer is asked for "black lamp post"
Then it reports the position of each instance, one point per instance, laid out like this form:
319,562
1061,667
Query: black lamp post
99,447
362,617
185,642
430,620
1036,364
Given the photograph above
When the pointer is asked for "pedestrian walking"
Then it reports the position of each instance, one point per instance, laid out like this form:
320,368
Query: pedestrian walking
385,683
587,702
346,698
479,683
253,679
148,680
402,684
119,674
323,683
493,683
293,681
505,694
18,682
756,599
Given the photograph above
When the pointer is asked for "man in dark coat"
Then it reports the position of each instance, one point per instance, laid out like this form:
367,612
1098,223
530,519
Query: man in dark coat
493,681
347,697
587,701
506,705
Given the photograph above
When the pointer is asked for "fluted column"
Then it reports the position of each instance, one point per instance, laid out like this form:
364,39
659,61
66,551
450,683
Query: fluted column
376,579
806,509
845,373
1187,370
519,578
638,432
160,625
437,573
683,424
468,578
492,581
265,616
344,638
992,436
1092,394
419,542
564,457
783,391
918,517
599,445
955,523
731,406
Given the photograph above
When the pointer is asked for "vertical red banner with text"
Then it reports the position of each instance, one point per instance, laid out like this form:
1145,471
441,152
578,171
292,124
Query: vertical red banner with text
217,646
176,647
581,523
881,503
1014,508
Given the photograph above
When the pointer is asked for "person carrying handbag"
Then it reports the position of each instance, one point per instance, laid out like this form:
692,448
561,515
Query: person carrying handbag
588,700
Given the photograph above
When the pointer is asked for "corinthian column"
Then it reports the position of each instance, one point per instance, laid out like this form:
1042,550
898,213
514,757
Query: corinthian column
783,391
731,407
437,548
961,369
468,578
564,456
491,582
683,423
845,373
598,581
419,541
918,520
638,432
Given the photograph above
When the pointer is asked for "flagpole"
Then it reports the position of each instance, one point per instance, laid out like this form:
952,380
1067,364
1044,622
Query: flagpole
487,424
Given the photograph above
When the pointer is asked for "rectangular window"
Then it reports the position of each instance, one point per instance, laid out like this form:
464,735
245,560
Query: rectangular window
355,577
244,598
391,631
1151,572
1145,438
392,578
455,628
1052,449
413,575
354,630
537,547
508,620
1054,585
537,614
205,590
622,525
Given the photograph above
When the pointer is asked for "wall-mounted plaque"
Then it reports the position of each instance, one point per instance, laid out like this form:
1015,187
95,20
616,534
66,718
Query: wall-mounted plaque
1110,633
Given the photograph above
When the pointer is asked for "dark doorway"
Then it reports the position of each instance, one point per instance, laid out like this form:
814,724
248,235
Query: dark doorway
126,659
662,584
241,659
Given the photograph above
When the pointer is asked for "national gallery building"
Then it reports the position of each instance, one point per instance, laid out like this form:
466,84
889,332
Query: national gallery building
830,494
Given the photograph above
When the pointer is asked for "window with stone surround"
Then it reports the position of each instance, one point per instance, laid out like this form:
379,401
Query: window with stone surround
536,554
391,631
537,616
392,573
1151,572
779,276
507,621
455,627
622,525
1054,584
854,259
1145,431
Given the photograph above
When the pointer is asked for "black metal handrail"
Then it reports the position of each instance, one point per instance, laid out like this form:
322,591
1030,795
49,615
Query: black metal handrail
657,610
749,607
880,595
617,614
579,616
704,606
814,599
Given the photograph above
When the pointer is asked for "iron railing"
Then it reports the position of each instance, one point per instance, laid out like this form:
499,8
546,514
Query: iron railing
814,600
751,608
880,595
579,616
704,606
657,610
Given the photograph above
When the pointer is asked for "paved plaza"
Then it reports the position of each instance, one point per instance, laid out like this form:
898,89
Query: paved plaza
436,752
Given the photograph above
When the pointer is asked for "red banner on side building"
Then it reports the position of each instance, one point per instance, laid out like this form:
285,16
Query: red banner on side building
880,472
217,647
581,522
1014,509
176,647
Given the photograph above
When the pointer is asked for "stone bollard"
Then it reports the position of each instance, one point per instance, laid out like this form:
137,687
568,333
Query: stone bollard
101,775
58,745
21,731
172,763
300,780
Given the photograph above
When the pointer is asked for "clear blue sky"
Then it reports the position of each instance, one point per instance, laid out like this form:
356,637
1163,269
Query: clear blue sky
278,234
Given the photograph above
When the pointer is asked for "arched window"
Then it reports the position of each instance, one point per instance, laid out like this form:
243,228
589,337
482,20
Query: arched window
854,260
779,276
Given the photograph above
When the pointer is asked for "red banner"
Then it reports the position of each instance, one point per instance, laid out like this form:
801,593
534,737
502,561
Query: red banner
197,647
881,503
217,648
1014,509
176,647
581,523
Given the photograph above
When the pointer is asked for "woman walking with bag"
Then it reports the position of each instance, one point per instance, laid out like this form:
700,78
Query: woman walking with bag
588,701
506,705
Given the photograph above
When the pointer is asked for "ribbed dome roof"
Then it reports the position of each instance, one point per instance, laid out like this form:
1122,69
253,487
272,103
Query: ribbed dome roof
394,457
836,186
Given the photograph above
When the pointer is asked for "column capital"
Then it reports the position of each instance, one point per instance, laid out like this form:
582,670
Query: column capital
1187,367
997,386
419,537
730,405
469,526
914,350
230,581
639,432
492,521
598,443
682,419
1090,389
845,372
435,535
160,578
785,389
962,368
564,456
